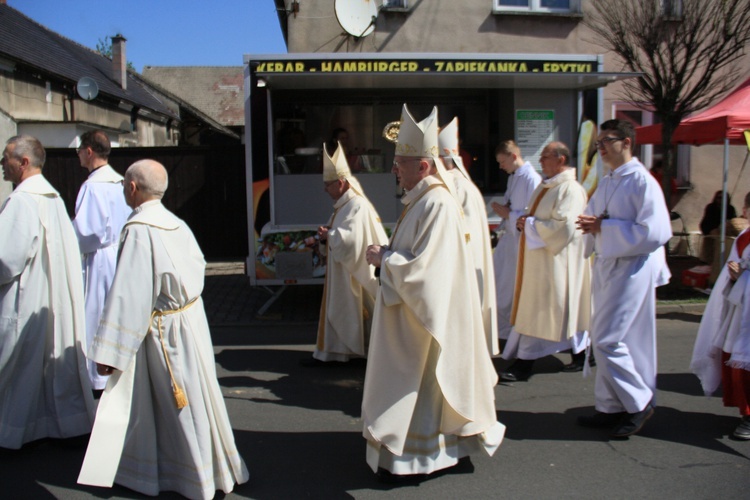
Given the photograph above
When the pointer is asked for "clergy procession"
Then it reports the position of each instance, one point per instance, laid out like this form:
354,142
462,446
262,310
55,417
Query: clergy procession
104,334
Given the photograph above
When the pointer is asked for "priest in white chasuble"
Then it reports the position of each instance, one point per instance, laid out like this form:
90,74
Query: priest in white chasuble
161,424
475,217
552,297
429,387
101,213
44,388
522,180
350,283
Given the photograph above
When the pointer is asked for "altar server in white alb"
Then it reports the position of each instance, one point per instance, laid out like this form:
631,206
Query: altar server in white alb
101,212
350,284
552,300
475,216
429,387
522,181
626,224
44,388
161,424
721,356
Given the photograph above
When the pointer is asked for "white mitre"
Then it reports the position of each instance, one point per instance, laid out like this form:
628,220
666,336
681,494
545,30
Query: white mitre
418,140
336,167
448,143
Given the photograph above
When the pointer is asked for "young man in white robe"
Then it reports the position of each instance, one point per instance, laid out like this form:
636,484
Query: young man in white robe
101,213
626,224
44,388
721,355
522,181
161,424
350,283
475,215
552,300
429,387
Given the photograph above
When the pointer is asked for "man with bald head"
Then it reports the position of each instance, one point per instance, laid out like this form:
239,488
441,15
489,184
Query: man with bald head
551,300
161,424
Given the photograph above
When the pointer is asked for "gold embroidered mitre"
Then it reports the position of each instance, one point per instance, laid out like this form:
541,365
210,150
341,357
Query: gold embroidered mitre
419,140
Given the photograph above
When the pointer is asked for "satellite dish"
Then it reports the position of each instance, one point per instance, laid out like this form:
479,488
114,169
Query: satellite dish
357,17
87,88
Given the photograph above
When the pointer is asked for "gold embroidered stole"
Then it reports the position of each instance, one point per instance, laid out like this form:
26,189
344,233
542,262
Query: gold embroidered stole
521,251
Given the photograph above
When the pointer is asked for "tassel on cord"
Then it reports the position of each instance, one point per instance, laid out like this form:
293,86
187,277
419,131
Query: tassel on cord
180,398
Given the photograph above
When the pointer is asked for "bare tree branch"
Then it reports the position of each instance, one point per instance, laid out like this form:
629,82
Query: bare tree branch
687,57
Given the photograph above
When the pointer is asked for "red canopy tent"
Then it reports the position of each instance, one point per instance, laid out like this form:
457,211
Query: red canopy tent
726,122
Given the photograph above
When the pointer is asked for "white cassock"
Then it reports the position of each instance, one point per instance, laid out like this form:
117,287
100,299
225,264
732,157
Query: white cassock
101,212
629,264
725,325
521,185
141,440
350,284
429,387
475,217
553,281
44,388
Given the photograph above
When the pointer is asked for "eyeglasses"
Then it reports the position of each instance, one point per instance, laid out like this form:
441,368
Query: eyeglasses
606,140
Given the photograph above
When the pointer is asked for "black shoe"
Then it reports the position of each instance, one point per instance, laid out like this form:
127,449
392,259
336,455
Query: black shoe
577,362
600,419
633,422
742,432
519,371
572,367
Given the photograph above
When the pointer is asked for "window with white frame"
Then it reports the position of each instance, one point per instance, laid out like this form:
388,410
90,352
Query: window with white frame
536,6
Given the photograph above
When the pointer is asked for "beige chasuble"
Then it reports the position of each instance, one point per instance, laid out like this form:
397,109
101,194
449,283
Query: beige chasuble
552,294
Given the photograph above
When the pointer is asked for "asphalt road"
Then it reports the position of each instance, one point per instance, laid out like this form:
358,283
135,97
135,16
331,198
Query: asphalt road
299,431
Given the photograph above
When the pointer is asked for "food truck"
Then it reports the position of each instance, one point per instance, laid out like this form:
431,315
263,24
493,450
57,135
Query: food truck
294,103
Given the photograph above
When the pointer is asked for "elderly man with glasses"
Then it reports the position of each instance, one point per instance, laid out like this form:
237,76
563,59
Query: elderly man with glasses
428,398
552,297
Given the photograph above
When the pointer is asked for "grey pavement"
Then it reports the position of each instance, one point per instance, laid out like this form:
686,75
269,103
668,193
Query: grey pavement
300,433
